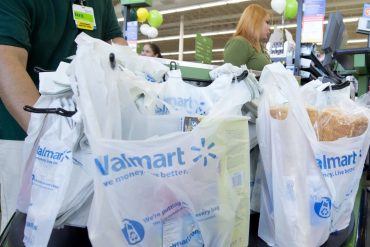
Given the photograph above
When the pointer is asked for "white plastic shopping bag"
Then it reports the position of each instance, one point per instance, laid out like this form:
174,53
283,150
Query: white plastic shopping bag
51,172
101,90
56,181
174,188
342,130
312,165
171,190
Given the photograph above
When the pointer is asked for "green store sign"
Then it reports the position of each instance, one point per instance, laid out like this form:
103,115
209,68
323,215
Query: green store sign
203,49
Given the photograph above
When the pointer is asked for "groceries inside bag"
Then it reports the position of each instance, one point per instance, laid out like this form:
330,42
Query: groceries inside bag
167,187
313,146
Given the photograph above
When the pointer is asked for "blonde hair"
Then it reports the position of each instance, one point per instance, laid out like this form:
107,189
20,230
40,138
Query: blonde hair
250,24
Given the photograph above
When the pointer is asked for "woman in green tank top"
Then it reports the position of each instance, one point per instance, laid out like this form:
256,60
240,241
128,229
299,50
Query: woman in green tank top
247,46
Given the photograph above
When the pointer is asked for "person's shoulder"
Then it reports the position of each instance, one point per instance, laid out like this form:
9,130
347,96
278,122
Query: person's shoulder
239,41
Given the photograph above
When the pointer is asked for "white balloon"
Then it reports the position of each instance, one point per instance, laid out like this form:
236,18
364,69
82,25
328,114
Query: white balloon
278,6
152,32
144,29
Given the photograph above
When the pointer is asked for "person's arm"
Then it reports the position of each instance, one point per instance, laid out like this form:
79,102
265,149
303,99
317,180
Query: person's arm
16,87
118,41
237,52
111,30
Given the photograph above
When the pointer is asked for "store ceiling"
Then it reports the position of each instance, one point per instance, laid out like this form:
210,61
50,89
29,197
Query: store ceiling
225,17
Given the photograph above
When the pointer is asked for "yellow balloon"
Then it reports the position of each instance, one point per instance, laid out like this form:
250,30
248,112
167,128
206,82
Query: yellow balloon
142,14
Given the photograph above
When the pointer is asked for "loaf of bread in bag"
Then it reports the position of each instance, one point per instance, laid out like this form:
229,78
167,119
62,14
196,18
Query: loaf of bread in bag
330,124
334,123
313,114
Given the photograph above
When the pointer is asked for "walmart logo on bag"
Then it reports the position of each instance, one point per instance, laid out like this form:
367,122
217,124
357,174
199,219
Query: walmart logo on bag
133,231
156,161
202,148
323,207
330,162
44,153
189,104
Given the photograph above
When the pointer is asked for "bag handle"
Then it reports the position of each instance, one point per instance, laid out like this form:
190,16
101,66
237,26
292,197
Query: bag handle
59,111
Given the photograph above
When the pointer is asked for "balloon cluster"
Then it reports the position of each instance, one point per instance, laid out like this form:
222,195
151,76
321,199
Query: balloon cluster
288,7
154,19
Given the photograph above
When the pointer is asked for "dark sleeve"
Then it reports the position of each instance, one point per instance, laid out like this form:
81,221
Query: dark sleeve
15,23
110,23
237,52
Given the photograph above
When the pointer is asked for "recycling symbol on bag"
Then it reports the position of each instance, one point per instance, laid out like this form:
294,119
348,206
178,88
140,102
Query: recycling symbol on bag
133,231
323,207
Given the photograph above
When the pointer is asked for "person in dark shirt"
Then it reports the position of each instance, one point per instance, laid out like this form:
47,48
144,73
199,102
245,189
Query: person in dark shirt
33,34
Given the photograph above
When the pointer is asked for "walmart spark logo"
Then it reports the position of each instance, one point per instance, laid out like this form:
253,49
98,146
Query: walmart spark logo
66,155
204,151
